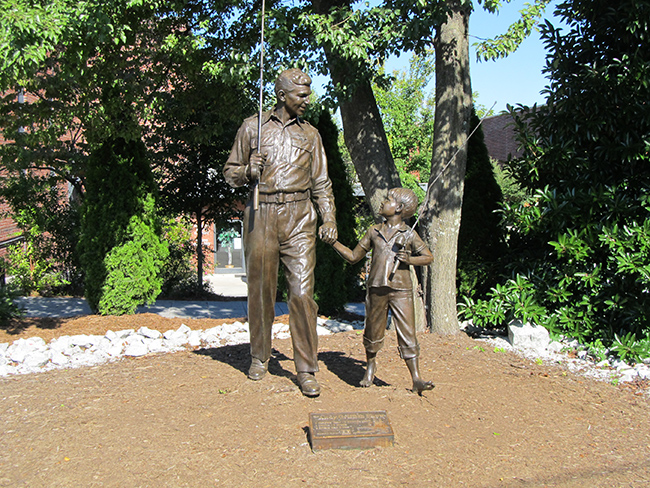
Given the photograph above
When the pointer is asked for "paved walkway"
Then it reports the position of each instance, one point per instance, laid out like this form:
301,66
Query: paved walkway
228,285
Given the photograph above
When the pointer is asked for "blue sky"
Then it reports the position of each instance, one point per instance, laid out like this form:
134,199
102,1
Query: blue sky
515,79
512,80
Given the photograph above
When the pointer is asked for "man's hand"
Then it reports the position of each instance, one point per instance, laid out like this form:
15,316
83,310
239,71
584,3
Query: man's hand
255,167
328,232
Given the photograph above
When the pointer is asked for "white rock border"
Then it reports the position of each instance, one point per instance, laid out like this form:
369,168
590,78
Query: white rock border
34,355
533,342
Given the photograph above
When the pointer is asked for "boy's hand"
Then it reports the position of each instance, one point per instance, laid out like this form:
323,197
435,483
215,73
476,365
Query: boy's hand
404,256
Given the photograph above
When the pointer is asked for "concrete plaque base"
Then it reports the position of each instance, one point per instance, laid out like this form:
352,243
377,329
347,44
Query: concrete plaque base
350,430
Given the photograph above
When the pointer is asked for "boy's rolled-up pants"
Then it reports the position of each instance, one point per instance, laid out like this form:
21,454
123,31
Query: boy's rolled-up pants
400,302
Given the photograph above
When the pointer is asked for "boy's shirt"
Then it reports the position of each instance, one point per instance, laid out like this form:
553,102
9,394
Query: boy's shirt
383,256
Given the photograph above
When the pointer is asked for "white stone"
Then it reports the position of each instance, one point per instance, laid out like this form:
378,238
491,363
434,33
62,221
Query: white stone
555,347
82,359
149,333
183,329
643,372
3,347
36,359
323,330
81,341
125,333
59,358
18,352
627,375
110,335
135,349
6,370
157,346
213,331
72,351
194,338
60,344
528,336
210,339
111,347
237,338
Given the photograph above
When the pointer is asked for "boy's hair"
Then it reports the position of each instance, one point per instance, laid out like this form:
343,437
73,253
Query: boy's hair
289,79
407,198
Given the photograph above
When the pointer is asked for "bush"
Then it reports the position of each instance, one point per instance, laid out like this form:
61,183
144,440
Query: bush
133,268
30,272
120,228
179,276
8,309
579,245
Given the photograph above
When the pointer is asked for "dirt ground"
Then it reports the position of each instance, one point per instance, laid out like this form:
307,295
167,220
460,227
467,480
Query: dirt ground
193,419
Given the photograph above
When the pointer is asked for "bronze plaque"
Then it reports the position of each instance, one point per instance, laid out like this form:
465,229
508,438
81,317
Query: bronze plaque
350,430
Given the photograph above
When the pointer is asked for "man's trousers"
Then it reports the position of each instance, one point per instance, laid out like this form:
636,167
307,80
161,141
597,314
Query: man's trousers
282,232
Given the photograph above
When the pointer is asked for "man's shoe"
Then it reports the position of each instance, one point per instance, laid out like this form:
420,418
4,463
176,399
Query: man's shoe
308,384
258,369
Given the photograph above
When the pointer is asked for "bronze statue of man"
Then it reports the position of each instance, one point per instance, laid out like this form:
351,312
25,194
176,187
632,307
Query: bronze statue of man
290,170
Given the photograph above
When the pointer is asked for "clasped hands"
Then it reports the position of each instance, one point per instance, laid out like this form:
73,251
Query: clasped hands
328,232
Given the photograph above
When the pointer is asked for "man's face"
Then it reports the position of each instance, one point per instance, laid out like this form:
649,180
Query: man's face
296,100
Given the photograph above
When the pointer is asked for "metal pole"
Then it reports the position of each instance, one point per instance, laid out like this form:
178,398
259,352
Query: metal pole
256,188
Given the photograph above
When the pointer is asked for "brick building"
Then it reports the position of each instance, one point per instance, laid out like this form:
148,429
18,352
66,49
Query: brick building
500,137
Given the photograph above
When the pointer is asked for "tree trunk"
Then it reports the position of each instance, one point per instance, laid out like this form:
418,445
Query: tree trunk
363,128
441,220
199,249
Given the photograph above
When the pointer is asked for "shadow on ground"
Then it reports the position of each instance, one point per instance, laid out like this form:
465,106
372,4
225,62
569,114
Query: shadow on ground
238,357
348,369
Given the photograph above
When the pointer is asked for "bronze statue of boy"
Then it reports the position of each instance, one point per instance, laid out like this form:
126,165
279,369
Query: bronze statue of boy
394,247
290,170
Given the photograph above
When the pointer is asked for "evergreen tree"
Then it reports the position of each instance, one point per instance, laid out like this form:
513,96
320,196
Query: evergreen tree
336,280
120,246
480,240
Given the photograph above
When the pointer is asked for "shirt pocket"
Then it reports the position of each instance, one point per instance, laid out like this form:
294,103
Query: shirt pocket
301,149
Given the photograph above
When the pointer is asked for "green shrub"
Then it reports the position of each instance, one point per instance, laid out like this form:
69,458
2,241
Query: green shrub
133,268
31,272
8,309
578,261
119,223
179,275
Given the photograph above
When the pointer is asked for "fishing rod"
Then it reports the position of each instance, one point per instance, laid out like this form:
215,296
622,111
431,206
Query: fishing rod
256,186
400,243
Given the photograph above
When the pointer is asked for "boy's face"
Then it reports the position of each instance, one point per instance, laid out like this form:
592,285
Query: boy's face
390,207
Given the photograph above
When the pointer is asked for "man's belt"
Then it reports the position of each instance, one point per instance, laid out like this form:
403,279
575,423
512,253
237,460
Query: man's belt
282,197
